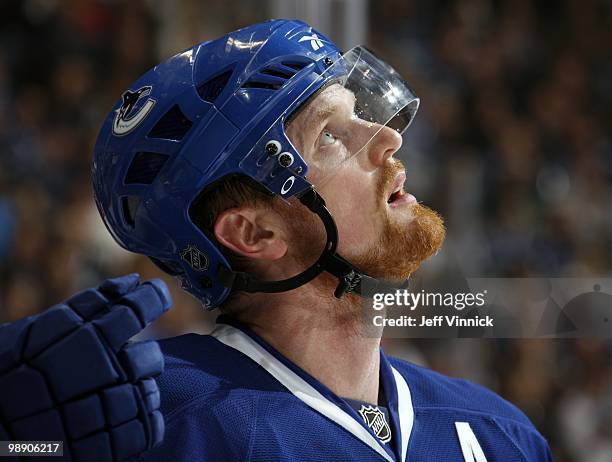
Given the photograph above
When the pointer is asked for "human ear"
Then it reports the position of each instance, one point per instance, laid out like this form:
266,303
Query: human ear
250,233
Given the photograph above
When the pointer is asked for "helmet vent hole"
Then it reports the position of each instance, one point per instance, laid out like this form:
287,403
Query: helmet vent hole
145,167
264,85
130,206
210,90
281,73
274,76
174,125
295,65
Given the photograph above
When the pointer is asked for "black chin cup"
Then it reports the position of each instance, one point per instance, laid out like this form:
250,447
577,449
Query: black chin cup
350,278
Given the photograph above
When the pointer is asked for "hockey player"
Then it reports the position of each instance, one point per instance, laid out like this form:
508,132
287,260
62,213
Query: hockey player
216,164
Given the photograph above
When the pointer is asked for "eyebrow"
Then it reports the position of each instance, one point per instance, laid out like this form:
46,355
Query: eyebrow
320,114
315,117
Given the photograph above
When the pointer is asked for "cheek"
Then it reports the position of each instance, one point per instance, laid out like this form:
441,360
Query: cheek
351,199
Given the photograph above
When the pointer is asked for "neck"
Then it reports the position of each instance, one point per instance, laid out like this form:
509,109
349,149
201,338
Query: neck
320,334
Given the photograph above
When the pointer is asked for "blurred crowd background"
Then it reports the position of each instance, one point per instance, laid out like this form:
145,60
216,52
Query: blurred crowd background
513,145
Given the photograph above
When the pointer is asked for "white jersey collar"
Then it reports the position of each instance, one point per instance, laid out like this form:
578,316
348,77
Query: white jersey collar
239,340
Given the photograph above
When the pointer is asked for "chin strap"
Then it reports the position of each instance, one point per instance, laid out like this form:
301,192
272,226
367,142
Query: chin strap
350,278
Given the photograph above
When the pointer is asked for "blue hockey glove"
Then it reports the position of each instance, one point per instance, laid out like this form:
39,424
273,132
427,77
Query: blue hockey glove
68,374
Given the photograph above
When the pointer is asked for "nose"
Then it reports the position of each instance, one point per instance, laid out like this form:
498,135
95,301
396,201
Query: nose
383,145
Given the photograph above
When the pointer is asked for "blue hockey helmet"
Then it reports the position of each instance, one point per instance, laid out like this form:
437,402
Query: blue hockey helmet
218,109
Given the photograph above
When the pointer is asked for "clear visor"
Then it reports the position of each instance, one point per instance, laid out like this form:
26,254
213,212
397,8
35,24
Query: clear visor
361,113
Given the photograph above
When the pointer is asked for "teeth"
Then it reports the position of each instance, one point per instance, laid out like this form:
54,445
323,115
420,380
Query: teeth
397,193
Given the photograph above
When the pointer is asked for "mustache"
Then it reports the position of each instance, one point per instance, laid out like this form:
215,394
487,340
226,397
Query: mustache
387,176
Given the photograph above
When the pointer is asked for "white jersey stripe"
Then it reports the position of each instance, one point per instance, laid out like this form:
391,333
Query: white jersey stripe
240,341
404,410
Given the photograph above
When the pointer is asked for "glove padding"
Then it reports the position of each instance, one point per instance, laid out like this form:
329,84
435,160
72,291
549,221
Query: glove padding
68,374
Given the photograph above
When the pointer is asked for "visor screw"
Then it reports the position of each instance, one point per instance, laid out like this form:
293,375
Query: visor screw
328,61
285,159
299,170
273,147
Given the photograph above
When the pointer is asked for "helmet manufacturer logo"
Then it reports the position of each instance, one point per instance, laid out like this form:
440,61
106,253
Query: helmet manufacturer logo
315,41
287,185
195,258
126,119
375,419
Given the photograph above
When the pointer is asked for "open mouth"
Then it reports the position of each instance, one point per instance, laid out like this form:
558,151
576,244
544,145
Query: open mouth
397,188
397,195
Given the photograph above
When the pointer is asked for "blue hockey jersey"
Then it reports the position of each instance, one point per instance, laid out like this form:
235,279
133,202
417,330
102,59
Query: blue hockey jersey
230,396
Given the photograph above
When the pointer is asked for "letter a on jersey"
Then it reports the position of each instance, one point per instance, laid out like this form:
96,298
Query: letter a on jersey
470,447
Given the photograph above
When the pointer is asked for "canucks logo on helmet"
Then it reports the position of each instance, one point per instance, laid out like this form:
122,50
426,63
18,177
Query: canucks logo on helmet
125,121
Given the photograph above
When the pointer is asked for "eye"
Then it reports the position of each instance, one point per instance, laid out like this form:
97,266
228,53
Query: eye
327,138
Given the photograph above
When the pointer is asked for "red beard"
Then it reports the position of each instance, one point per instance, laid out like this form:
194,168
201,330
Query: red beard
400,249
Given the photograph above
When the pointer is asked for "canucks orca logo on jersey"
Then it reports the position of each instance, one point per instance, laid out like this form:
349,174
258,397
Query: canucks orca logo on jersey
375,419
126,120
